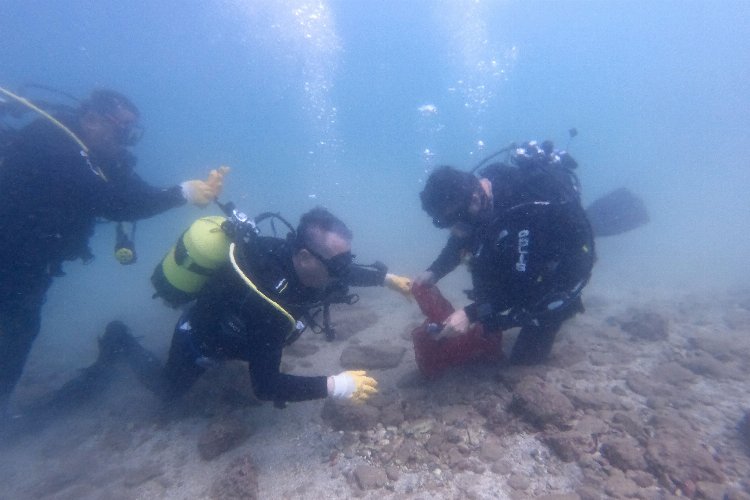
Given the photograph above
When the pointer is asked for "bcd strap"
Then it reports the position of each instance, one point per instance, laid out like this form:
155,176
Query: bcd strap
181,255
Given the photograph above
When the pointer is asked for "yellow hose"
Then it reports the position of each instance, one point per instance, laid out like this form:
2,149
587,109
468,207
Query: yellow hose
249,283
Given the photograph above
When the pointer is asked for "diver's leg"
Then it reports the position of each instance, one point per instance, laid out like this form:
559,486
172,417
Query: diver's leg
118,343
19,326
167,382
114,345
534,343
183,366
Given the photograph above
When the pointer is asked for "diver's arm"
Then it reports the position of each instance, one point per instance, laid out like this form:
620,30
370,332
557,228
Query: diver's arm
485,313
131,198
367,275
269,384
449,258
378,275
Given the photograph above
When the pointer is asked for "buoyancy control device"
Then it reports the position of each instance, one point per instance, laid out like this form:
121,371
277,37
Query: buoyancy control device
188,265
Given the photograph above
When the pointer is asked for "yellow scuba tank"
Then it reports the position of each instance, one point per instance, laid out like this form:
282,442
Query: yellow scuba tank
198,253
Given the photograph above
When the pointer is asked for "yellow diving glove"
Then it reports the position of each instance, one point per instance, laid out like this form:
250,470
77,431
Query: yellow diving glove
354,385
401,284
201,193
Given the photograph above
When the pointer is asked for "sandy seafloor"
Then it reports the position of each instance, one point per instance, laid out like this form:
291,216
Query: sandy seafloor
613,414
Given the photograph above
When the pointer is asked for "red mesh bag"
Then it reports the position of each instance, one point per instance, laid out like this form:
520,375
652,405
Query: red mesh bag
434,356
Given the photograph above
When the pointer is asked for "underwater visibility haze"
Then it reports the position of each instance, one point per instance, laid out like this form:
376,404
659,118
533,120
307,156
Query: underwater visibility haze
351,104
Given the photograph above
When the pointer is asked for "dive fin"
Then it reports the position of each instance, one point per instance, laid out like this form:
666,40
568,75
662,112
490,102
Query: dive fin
90,383
617,212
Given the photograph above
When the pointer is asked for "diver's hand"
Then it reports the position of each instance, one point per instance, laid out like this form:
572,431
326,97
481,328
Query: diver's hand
353,384
425,278
400,284
457,324
201,193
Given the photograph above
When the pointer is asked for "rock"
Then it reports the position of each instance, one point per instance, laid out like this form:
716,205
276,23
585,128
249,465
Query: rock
669,423
494,407
502,468
221,436
238,481
492,451
591,425
603,358
392,473
301,349
625,423
706,365
589,493
619,391
709,490
410,453
595,400
413,409
619,486
623,453
455,435
346,416
647,387
673,374
456,414
418,427
646,325
435,442
723,349
519,482
369,477
566,356
221,389
392,415
454,457
540,404
641,478
570,446
370,357
348,320
734,494
679,458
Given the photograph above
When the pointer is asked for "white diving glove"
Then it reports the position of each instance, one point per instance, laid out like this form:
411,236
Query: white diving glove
354,385
201,193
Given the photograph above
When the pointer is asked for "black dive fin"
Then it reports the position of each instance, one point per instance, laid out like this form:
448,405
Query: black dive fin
616,213
90,383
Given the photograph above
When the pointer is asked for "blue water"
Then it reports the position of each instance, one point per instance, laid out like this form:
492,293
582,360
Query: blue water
349,104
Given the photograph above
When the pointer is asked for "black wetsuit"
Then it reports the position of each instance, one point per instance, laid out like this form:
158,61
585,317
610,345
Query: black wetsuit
229,320
49,203
530,263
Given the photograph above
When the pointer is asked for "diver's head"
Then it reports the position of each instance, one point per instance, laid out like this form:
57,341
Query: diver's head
109,121
456,199
322,249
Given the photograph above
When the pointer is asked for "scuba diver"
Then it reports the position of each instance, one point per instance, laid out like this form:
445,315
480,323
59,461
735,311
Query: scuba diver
250,296
58,175
528,241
